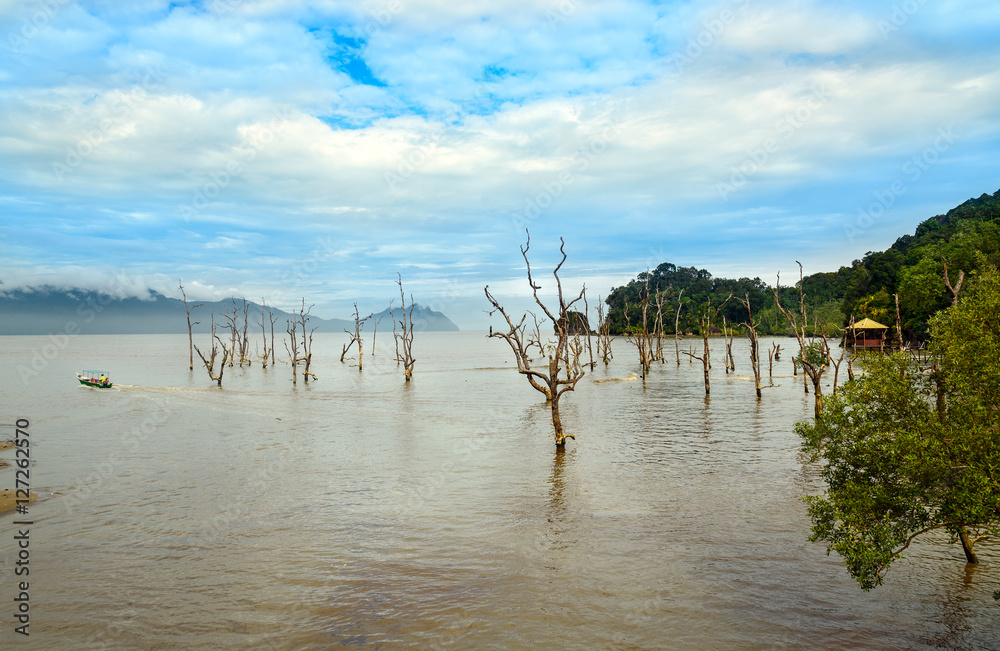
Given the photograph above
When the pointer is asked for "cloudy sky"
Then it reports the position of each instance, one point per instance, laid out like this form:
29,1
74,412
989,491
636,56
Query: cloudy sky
280,149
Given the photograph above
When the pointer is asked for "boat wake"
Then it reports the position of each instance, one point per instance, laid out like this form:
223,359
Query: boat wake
632,377
136,387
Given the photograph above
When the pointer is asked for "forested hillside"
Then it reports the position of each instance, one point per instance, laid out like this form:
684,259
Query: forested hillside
964,238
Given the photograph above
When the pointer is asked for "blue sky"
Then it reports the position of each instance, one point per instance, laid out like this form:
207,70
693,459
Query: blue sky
282,149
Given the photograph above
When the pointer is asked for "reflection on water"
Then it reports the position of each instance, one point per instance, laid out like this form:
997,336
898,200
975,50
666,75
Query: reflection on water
359,511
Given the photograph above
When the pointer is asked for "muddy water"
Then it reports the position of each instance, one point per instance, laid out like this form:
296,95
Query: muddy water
357,512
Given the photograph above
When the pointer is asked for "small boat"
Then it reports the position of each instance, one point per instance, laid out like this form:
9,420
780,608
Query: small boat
96,379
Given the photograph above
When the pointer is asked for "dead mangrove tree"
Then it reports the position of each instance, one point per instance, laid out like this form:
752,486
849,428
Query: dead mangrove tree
558,375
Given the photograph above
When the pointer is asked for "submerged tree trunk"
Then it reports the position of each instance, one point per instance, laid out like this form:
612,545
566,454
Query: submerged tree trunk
557,422
817,399
210,362
677,320
406,339
970,554
188,309
814,357
306,342
754,342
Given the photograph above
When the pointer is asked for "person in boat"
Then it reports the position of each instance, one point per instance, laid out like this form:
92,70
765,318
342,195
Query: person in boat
104,380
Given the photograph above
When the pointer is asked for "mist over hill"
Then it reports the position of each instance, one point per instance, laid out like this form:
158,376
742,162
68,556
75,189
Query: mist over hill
48,310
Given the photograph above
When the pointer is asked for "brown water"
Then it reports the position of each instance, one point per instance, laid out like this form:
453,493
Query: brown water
357,512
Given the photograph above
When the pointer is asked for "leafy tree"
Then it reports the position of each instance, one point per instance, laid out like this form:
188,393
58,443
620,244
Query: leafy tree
922,293
878,306
908,449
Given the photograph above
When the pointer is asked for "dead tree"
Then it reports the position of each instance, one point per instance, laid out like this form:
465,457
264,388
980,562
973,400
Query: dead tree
754,342
727,336
406,338
558,377
268,352
375,329
639,335
677,321
706,325
395,338
773,356
231,323
603,334
245,340
836,368
899,326
263,333
292,346
535,339
210,362
188,309
306,341
590,349
957,287
704,358
241,342
658,325
359,325
813,357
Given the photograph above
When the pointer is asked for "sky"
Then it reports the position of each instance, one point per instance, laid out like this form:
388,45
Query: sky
284,149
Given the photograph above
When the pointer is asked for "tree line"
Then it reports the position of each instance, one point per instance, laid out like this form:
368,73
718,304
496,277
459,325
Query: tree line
923,272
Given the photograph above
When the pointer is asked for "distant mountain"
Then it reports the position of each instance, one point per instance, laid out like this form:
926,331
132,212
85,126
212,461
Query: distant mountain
424,319
53,311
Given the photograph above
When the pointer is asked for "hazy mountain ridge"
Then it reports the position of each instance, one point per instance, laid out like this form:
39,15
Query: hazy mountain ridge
48,310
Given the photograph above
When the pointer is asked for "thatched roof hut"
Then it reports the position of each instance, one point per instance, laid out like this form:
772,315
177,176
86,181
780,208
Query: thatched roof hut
867,333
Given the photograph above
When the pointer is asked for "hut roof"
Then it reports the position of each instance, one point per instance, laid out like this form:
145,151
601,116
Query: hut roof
868,324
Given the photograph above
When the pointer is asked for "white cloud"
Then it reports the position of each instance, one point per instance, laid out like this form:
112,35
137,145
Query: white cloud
489,108
800,26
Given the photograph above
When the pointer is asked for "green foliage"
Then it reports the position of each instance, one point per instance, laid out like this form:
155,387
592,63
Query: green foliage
965,237
815,355
913,266
575,322
968,340
700,292
898,463
828,315
922,293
